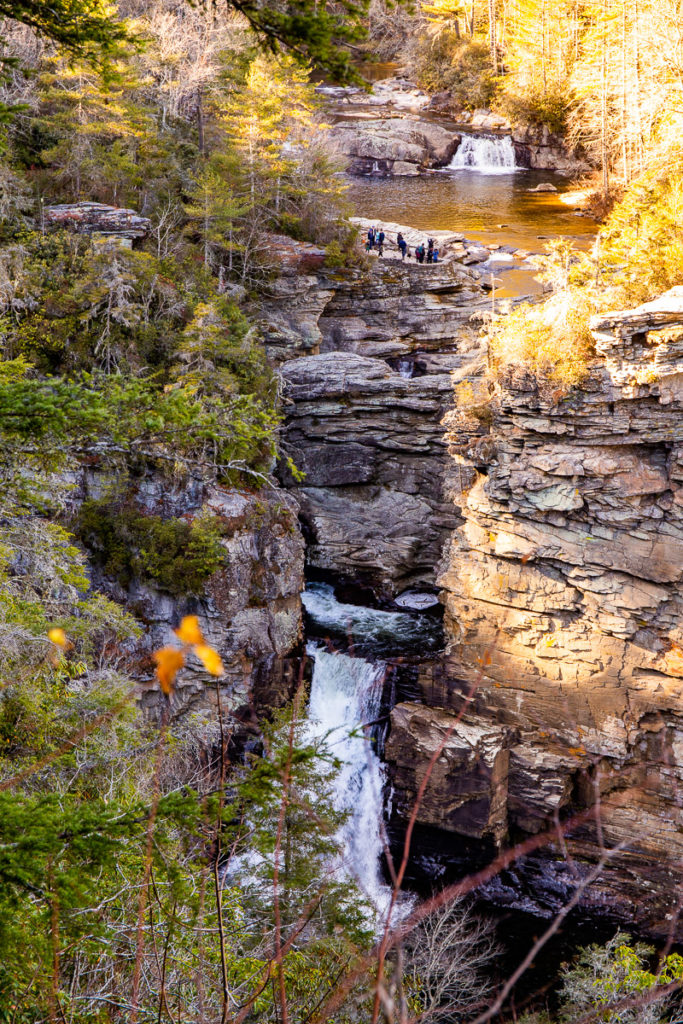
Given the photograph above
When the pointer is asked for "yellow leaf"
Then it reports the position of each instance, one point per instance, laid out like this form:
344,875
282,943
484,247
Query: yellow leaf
169,661
188,631
58,636
210,659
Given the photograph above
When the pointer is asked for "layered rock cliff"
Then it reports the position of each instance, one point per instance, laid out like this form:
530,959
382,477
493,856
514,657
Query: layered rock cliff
562,689
369,438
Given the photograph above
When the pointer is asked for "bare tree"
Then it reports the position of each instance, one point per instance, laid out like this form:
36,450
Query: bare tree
446,960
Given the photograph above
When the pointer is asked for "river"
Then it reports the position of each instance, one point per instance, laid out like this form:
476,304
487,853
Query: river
491,203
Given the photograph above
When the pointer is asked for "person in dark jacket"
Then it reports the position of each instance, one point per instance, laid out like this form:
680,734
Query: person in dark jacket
401,243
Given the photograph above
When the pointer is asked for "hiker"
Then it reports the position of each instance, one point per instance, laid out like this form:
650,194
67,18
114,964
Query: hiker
430,250
401,243
436,255
371,239
420,253
380,239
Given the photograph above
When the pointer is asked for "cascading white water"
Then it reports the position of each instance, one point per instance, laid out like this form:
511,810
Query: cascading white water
485,154
345,693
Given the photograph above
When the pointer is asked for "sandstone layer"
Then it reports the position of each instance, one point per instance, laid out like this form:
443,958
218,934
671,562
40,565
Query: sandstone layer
561,694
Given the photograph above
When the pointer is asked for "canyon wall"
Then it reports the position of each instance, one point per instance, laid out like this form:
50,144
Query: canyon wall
561,692
553,523
368,437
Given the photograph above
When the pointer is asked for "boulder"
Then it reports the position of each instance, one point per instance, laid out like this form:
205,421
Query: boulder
539,148
394,145
485,119
99,219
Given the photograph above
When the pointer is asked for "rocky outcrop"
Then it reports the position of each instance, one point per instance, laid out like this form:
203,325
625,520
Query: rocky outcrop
563,684
539,148
368,438
371,446
398,145
249,610
399,309
291,302
387,309
398,93
98,219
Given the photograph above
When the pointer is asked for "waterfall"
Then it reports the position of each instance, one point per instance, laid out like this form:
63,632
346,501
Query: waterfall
485,154
346,692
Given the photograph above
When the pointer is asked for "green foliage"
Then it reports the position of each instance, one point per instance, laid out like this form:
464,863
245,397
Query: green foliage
603,976
310,30
302,773
84,27
119,419
172,554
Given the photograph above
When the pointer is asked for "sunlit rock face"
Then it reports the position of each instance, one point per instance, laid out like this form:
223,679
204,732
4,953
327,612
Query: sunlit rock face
394,146
564,609
98,219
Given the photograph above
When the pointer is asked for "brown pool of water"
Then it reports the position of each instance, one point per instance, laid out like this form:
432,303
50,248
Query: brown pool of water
490,208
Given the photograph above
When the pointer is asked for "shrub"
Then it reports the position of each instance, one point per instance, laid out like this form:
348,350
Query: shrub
550,108
458,65
172,554
641,251
552,340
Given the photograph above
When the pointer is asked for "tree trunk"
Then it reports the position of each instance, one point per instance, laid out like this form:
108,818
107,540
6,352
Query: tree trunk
492,35
200,124
603,110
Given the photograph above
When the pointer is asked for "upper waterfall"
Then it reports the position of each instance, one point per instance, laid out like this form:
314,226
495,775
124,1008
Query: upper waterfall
485,154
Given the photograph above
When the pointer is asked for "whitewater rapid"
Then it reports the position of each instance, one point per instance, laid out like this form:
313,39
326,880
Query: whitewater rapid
344,707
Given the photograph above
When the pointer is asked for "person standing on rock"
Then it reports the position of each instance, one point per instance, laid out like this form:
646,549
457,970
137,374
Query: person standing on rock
436,255
371,238
380,240
430,250
401,243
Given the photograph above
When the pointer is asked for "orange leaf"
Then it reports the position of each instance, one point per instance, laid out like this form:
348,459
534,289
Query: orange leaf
210,659
188,631
169,661
58,636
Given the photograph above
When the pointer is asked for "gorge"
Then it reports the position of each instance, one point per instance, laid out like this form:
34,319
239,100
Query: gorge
341,542
557,692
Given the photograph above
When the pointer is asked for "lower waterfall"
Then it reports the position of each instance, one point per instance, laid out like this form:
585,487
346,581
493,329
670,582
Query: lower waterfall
485,154
345,693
